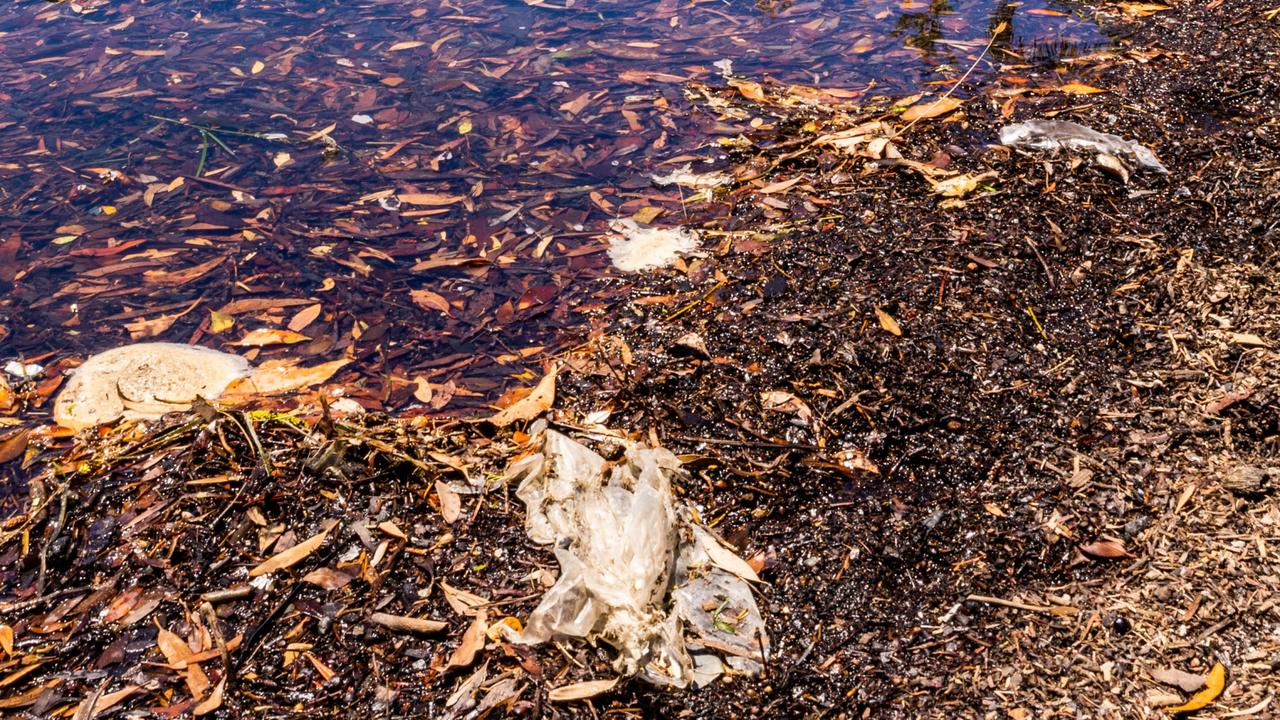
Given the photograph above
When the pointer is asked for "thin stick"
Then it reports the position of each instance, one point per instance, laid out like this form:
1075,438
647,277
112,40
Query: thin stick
1008,603
999,29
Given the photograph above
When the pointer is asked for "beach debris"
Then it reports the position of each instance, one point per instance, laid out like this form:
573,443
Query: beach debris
145,380
23,371
1215,682
634,248
636,569
686,177
1041,134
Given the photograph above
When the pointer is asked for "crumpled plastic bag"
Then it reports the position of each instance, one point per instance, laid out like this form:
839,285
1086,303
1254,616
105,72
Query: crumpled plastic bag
636,571
1044,134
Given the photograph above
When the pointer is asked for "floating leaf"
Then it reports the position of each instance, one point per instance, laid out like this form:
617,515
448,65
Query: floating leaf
268,336
406,45
1074,88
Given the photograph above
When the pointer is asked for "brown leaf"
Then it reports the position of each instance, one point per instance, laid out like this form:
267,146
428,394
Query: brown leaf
463,602
214,701
1074,88
428,300
279,376
13,445
180,277
931,108
450,503
472,643
538,401
6,640
1108,549
750,90
581,691
305,317
327,578
888,323
268,336
295,554
1187,682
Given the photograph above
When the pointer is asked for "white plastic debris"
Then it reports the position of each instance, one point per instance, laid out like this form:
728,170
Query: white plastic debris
635,570
23,371
725,66
1056,134
361,119
146,380
686,177
634,248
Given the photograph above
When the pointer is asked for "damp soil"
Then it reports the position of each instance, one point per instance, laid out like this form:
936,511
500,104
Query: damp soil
979,407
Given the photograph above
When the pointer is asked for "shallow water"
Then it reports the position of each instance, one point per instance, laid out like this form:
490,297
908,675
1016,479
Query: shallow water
162,160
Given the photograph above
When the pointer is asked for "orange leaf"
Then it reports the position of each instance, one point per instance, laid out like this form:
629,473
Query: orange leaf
430,199
931,108
1074,88
1213,687
268,336
538,401
293,555
888,323
750,90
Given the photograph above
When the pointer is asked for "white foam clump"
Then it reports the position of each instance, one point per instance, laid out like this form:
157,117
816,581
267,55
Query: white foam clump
145,380
634,248
1044,134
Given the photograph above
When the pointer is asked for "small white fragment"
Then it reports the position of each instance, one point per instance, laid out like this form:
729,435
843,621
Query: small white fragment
23,371
636,248
725,67
361,119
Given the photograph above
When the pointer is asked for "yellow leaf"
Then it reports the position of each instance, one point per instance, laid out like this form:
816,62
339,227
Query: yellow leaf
465,126
293,555
6,640
647,214
1074,88
931,108
220,322
1213,686
258,67
108,210
888,323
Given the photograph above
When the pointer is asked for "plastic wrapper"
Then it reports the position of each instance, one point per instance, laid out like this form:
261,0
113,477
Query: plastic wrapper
1058,134
636,571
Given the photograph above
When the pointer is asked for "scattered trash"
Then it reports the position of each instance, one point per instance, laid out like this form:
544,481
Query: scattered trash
1056,134
23,371
145,380
636,569
686,177
636,248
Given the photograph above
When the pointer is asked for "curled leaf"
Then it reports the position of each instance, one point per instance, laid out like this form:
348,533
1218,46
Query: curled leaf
1213,687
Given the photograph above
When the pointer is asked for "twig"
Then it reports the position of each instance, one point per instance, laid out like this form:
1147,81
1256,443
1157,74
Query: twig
992,41
1008,603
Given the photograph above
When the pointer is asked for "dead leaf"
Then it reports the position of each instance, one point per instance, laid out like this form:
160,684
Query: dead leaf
581,691
13,445
888,323
1248,340
6,640
450,503
327,578
1142,9
268,336
428,300
1187,682
1213,687
1074,88
472,643
750,90
406,45
931,108
279,376
782,401
463,602
214,701
538,401
305,317
1108,549
295,554
429,199
220,322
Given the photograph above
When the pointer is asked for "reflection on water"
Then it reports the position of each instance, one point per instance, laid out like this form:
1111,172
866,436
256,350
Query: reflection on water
162,160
